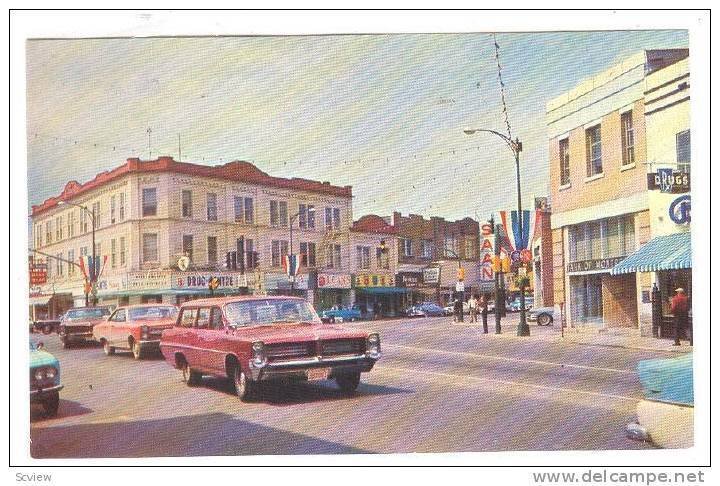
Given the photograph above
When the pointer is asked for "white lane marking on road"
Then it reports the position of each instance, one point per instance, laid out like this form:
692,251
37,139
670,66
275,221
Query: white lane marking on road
510,383
505,358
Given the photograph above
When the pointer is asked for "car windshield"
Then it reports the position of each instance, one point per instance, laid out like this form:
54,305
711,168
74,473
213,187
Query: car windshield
267,311
154,312
87,313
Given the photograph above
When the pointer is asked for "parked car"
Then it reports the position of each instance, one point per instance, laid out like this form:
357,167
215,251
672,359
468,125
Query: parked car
136,328
44,379
426,309
544,316
46,326
514,306
341,314
449,309
665,416
250,339
77,324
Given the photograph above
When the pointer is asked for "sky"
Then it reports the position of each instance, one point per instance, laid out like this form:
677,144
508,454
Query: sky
382,113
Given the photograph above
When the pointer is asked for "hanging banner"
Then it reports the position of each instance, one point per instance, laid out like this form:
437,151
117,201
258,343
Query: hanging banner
516,240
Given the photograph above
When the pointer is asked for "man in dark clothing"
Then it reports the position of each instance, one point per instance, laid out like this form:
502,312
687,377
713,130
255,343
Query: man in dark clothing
484,310
679,309
458,307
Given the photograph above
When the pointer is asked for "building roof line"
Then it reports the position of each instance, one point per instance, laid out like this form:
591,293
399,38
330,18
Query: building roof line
239,171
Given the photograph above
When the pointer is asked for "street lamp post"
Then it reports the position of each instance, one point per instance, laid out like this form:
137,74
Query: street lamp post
292,220
516,147
93,273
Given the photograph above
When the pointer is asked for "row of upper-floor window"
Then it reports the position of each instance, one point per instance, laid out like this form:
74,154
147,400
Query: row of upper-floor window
594,152
243,210
64,225
68,263
79,220
453,247
244,254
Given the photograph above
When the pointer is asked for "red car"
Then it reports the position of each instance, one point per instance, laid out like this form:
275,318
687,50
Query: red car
77,324
136,328
250,339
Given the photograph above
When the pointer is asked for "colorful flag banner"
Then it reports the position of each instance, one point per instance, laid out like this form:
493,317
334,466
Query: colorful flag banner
291,265
516,239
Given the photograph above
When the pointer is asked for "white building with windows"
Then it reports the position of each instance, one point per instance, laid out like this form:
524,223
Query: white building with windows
148,214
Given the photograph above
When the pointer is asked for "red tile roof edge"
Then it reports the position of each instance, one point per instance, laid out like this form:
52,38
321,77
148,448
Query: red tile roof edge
372,223
237,170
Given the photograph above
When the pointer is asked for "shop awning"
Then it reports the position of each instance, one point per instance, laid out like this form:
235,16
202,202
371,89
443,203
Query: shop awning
40,299
668,252
383,290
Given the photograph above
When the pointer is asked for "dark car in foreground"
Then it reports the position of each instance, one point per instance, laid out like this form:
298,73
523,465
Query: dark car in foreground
76,326
249,339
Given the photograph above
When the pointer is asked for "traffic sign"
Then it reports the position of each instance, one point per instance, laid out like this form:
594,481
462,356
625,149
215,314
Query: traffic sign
460,287
525,256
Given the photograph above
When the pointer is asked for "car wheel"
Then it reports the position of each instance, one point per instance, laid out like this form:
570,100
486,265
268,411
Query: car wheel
47,329
544,320
189,376
244,386
137,350
348,382
51,405
107,348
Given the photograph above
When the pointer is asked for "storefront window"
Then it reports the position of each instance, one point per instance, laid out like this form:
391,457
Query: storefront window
586,291
607,238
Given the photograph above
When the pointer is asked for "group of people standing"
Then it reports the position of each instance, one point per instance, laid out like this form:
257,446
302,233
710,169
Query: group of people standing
476,305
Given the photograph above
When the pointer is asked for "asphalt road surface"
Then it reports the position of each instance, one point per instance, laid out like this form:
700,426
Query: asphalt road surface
439,387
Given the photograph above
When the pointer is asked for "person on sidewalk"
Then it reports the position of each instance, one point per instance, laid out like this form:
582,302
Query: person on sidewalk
473,306
458,308
679,309
484,311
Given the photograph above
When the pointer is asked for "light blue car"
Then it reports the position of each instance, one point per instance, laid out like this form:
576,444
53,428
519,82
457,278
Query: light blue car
339,313
44,379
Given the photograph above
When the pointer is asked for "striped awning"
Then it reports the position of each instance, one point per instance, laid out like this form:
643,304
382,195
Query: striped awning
668,252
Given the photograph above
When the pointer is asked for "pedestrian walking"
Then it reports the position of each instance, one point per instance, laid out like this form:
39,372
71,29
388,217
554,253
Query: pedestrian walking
458,308
679,309
484,311
473,305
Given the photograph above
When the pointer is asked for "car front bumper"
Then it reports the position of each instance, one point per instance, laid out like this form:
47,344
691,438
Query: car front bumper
76,337
299,368
40,394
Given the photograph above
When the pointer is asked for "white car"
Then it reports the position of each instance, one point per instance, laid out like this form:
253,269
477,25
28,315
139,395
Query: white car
450,308
544,316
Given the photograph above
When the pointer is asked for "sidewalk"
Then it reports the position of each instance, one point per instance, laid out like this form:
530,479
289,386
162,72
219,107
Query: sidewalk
615,338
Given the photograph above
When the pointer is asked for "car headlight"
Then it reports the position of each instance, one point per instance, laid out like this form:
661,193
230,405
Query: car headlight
39,374
373,345
258,350
50,373
144,332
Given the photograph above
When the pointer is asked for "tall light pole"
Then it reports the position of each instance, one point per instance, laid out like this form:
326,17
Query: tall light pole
516,147
95,265
292,220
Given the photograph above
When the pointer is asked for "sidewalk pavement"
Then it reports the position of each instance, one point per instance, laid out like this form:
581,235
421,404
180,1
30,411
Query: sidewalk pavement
616,338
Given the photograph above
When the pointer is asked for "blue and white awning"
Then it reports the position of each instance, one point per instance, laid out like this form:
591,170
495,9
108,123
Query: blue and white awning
668,252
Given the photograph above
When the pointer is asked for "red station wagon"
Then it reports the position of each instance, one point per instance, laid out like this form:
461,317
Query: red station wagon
136,328
250,339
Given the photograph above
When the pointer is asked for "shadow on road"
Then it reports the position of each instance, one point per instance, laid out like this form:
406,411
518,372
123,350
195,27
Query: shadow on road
302,392
67,408
215,434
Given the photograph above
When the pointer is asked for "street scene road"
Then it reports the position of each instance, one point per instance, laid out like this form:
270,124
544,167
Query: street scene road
439,387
